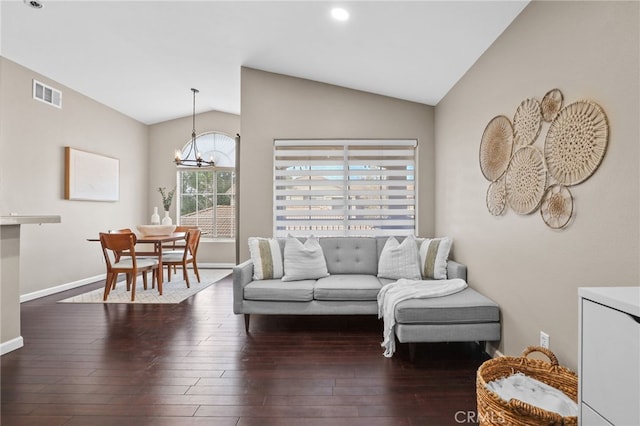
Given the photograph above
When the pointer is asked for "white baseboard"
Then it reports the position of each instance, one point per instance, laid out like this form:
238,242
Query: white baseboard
216,265
63,287
493,351
68,286
11,345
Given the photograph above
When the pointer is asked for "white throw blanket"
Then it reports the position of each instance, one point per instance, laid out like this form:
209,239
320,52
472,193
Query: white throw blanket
534,392
393,293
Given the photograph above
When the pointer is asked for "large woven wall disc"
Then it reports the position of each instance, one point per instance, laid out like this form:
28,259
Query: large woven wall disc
527,122
496,147
526,180
576,142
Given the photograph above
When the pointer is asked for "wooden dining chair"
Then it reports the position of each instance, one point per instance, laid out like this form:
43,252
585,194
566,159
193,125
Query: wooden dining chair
113,245
121,231
188,256
177,246
119,254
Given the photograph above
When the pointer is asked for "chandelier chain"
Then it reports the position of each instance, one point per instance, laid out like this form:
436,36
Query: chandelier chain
193,147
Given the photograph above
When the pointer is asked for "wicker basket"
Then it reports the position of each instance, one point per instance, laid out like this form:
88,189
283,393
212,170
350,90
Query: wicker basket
494,411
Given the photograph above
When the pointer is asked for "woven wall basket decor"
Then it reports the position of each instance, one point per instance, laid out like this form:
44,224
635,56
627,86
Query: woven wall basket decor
527,122
525,177
556,207
576,142
526,180
496,147
551,104
497,197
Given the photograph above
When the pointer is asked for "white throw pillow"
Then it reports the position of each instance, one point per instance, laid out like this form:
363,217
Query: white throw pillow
434,254
399,260
266,257
304,261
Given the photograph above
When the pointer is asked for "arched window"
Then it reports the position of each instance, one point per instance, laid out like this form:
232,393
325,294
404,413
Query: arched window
206,197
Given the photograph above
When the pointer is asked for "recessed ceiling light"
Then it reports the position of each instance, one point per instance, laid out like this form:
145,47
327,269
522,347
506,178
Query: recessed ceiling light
36,4
339,14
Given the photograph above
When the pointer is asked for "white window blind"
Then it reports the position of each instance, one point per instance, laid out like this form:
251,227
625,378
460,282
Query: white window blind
344,187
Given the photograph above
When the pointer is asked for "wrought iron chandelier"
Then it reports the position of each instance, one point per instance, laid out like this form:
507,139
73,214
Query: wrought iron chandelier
193,147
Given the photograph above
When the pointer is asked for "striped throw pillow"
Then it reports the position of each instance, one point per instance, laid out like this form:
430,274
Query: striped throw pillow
266,257
434,254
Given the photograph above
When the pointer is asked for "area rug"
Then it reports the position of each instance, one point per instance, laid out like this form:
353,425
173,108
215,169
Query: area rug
172,291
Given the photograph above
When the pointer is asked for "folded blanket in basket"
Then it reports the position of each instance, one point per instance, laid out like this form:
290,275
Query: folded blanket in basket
393,293
534,392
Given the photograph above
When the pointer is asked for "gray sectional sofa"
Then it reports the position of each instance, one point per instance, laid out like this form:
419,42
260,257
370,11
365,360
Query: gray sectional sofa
352,288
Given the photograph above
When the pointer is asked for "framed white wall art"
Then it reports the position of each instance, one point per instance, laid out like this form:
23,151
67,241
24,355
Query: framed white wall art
90,176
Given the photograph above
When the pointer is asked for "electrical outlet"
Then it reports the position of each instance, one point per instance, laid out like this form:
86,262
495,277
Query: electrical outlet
544,340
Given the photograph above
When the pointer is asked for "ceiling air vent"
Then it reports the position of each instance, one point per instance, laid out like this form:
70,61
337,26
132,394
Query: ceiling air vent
47,94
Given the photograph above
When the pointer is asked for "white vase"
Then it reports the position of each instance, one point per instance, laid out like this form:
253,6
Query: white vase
155,217
166,220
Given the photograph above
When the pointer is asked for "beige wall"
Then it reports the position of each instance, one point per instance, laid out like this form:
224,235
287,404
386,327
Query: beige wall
588,50
32,137
276,106
164,139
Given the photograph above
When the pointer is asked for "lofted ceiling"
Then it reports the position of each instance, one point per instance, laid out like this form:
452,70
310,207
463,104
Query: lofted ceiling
142,57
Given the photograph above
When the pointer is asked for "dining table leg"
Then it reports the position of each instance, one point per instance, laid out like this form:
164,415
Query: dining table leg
158,248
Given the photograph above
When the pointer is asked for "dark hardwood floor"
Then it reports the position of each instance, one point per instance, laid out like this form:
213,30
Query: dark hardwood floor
193,364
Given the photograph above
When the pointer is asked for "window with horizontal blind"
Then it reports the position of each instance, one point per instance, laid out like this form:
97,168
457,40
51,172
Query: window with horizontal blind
344,187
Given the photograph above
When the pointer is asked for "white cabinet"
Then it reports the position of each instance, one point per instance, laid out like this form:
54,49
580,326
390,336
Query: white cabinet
609,360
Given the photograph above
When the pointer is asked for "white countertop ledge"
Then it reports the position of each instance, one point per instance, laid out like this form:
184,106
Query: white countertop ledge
625,299
28,219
